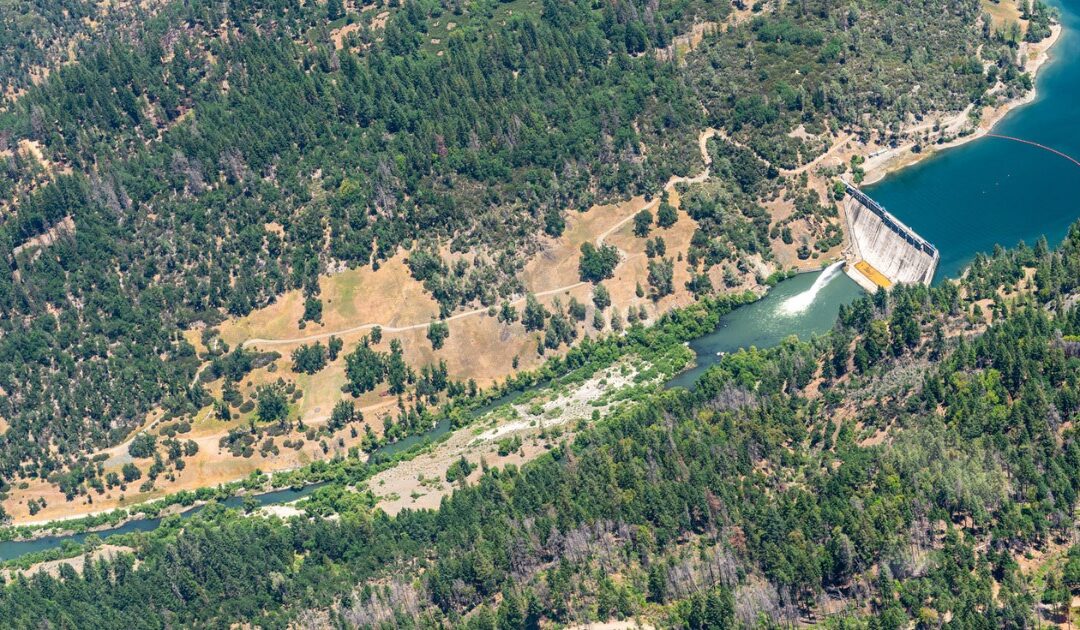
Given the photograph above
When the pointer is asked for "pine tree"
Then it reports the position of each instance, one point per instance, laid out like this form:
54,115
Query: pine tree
334,10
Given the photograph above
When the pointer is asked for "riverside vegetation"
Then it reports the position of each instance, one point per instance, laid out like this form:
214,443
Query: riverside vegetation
765,495
168,157
211,157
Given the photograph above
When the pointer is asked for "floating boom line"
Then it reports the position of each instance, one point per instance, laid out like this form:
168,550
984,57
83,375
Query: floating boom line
1036,145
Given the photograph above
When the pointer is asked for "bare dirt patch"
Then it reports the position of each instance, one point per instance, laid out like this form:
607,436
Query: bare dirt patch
64,228
33,149
389,296
539,423
338,35
690,40
379,21
628,624
1003,13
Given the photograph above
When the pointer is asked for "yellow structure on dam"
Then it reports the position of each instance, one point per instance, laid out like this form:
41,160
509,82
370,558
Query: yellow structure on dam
882,251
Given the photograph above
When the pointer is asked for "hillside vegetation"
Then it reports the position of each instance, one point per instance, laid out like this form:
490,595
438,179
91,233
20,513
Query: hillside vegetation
224,154
896,471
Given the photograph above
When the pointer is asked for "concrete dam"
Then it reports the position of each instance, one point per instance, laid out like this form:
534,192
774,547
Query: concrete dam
882,251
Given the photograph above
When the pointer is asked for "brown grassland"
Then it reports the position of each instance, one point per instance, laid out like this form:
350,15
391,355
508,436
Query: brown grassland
479,347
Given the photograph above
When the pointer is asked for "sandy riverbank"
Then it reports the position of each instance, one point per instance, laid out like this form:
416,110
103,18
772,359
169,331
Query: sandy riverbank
537,424
892,160
876,168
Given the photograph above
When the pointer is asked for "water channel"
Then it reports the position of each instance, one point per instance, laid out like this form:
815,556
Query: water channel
965,200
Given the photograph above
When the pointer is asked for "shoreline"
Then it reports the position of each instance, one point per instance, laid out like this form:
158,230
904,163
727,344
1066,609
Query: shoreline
55,527
66,526
884,164
896,159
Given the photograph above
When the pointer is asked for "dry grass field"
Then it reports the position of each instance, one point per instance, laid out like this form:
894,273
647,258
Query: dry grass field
1003,13
479,347
389,297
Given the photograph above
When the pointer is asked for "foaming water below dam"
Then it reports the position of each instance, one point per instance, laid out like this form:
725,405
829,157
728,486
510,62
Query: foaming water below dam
804,306
798,303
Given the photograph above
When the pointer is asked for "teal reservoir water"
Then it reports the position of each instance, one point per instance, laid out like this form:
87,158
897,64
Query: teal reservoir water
964,200
993,191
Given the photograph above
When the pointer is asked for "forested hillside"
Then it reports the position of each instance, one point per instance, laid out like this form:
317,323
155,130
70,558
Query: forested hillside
896,471
38,36
225,153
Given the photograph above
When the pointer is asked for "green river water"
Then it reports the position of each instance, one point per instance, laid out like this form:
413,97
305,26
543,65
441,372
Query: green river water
965,200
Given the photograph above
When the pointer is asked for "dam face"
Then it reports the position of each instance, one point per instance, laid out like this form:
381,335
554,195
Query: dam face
883,251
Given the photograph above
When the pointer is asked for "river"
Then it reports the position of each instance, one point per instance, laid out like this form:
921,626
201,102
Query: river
964,200
14,548
805,305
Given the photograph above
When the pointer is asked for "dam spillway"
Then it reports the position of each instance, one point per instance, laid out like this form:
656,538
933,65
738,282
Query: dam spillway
882,250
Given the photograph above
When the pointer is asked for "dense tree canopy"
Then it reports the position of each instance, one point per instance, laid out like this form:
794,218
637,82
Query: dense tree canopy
206,157
210,174
756,495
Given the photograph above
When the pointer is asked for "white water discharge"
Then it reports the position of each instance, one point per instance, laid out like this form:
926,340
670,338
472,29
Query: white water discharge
799,303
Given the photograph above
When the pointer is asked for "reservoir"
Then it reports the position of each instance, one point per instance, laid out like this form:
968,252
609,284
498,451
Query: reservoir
993,191
965,200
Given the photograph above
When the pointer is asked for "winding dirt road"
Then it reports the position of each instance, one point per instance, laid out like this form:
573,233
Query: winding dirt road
394,329
703,140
